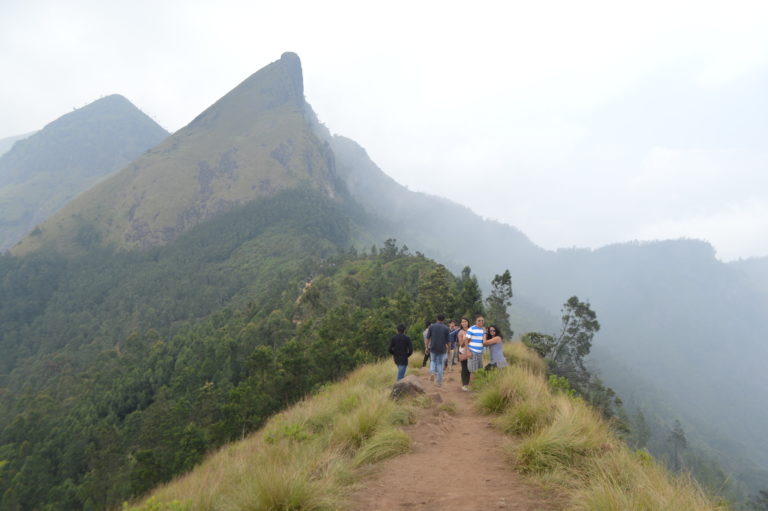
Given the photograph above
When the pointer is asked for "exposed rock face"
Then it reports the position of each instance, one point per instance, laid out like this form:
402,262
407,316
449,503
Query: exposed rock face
410,385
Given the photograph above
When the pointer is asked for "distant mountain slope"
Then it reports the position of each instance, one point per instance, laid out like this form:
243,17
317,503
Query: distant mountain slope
7,143
44,171
251,143
446,229
755,269
671,312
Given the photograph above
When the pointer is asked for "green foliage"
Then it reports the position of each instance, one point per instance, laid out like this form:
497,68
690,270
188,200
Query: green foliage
560,384
291,432
565,354
525,418
543,344
46,170
499,301
679,442
154,504
121,370
384,444
579,325
469,297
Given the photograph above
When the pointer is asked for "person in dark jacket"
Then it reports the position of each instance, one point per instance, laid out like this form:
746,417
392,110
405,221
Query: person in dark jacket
401,347
438,344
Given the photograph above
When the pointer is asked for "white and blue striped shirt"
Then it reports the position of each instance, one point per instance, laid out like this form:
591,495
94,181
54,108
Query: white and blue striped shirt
476,336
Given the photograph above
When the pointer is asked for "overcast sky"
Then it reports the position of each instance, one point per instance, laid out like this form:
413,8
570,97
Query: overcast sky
581,123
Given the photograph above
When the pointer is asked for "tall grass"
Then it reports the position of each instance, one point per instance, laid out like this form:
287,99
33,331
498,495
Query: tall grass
304,459
564,443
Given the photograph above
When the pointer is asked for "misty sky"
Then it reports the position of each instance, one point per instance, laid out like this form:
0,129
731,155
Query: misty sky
581,123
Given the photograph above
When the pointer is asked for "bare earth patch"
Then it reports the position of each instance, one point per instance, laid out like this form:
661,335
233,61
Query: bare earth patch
456,463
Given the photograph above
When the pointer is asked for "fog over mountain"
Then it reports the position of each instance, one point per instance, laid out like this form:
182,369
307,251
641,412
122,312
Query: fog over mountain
7,143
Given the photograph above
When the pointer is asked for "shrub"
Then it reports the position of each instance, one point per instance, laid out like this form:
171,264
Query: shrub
521,355
525,418
575,432
384,444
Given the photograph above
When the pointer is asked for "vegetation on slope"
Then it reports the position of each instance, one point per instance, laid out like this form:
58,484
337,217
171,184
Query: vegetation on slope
41,173
304,458
566,444
250,144
157,357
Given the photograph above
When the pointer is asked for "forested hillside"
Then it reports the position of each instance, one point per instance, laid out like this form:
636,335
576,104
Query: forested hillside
105,394
44,171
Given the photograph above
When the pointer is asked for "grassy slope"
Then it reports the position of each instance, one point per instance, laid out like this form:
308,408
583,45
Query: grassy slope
44,171
304,458
308,457
566,444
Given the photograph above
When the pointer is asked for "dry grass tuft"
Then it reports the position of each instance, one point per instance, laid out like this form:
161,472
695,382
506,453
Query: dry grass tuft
520,355
566,445
304,459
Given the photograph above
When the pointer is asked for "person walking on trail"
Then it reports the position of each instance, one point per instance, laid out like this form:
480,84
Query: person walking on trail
493,342
476,335
453,335
401,347
439,344
464,353
426,350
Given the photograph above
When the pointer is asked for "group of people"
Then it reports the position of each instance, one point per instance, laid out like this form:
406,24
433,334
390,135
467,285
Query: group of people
444,345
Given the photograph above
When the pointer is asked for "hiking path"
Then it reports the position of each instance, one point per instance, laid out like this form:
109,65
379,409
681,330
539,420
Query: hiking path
456,462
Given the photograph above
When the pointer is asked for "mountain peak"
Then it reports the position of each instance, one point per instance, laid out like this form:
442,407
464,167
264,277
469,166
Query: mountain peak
251,143
292,64
279,85
45,170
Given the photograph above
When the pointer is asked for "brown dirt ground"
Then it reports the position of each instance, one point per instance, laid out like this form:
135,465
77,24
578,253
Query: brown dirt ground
456,463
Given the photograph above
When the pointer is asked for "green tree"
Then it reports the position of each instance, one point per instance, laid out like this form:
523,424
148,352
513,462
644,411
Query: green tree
760,502
436,292
566,352
542,344
679,443
469,299
579,325
499,301
640,432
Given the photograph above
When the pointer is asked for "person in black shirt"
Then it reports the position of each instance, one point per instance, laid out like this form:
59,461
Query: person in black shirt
438,344
401,347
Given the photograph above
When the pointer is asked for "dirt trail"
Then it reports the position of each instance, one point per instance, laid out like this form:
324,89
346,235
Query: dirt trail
448,448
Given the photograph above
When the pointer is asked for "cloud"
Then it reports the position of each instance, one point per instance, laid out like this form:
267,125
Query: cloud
734,229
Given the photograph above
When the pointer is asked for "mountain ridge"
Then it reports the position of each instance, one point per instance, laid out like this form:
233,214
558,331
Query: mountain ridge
251,143
45,170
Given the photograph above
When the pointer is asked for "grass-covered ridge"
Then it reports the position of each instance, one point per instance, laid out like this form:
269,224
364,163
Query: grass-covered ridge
123,370
305,458
564,443
41,173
